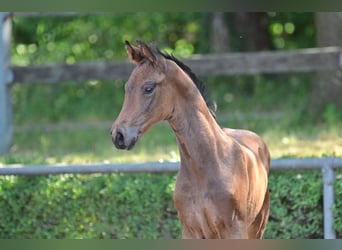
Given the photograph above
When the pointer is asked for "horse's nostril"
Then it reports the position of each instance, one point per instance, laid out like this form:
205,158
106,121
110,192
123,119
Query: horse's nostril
119,137
119,140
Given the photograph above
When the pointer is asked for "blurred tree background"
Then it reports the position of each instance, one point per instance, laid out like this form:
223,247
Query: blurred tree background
69,39
84,37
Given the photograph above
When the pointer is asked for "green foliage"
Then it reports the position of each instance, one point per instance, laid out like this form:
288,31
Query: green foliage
70,39
141,206
296,205
292,30
265,92
331,115
67,101
97,206
89,37
287,30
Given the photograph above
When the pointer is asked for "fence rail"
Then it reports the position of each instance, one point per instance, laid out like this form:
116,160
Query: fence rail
302,60
154,167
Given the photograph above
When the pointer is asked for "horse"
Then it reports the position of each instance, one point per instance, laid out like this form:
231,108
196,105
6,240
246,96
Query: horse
222,185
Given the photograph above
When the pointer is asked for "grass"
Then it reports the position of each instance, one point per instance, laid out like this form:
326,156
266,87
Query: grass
88,145
93,144
70,128
308,142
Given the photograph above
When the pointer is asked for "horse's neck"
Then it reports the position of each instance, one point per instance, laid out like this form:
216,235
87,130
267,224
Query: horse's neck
200,139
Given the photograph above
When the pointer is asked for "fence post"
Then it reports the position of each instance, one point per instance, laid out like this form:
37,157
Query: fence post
328,199
6,76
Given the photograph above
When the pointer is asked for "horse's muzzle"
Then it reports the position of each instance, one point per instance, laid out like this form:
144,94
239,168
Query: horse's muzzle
123,139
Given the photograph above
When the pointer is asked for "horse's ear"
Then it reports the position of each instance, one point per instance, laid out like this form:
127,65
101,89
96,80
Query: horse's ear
147,52
134,54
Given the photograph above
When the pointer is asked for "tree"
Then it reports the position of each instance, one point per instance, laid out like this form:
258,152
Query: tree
250,29
327,89
219,33
253,29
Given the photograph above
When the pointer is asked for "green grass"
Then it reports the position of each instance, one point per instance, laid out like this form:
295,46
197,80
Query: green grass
269,105
81,145
93,144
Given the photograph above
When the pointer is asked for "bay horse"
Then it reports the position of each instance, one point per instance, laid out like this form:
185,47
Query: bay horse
222,185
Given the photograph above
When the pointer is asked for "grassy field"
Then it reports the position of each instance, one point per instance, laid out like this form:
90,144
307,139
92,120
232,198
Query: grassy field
71,122
77,143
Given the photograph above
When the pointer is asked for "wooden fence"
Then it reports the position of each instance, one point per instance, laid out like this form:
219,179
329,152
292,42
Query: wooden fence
304,60
301,60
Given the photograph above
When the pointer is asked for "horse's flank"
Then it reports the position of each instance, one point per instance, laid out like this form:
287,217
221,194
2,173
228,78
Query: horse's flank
221,188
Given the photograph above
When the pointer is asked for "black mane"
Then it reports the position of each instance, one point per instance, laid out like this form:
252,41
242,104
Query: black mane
198,82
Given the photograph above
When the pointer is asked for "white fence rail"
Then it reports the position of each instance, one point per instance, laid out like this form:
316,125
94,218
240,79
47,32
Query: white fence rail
154,167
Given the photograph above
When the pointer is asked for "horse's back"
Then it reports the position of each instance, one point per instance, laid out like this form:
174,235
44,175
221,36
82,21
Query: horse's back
253,142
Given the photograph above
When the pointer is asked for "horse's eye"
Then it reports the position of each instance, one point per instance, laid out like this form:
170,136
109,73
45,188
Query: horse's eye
148,89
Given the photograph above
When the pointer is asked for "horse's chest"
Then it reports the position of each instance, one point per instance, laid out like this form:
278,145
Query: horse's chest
203,213
194,196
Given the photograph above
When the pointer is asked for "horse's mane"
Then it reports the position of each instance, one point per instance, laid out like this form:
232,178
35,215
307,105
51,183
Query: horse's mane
198,82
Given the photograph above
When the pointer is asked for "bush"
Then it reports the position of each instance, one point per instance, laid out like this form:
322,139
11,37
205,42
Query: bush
141,206
296,205
97,206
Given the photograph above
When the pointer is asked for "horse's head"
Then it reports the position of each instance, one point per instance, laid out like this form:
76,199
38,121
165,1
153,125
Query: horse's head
147,97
